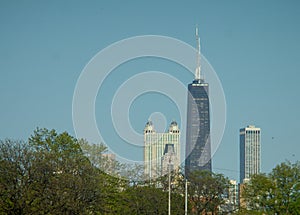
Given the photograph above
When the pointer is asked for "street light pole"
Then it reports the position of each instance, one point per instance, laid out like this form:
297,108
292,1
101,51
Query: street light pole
169,167
186,193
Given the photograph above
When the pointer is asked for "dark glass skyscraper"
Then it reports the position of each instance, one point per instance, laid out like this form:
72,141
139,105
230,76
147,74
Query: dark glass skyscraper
198,146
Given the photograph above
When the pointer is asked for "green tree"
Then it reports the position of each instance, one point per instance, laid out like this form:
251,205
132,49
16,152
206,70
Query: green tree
15,162
145,200
206,191
151,200
67,181
260,194
51,175
286,177
275,193
133,174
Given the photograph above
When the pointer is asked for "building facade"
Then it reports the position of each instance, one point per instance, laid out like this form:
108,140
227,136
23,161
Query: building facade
249,152
169,160
231,201
198,145
233,195
160,150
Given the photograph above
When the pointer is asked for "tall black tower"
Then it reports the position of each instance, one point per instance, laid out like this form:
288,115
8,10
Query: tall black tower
198,145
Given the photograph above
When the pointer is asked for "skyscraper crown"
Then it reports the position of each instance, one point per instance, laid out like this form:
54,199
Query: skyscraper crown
174,127
149,128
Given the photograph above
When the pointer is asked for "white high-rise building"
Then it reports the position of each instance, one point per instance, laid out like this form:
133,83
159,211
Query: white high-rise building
249,152
160,146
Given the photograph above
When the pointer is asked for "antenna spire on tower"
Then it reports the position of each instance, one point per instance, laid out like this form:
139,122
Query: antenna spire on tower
198,68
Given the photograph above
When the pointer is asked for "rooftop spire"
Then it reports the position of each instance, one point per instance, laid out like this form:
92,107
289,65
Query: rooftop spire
198,68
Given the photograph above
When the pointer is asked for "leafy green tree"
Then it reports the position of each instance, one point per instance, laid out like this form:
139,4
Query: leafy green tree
206,191
134,174
177,182
260,194
58,174
71,183
145,200
151,200
275,193
15,162
51,175
286,177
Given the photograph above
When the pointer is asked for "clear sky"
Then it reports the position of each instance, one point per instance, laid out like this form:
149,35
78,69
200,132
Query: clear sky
252,45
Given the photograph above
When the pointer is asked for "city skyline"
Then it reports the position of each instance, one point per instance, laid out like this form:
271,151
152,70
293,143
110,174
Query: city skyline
45,46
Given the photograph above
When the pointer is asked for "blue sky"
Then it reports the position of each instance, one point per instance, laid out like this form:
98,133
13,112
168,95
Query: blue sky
253,46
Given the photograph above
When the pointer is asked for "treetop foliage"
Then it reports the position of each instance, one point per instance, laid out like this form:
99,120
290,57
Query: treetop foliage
275,193
55,173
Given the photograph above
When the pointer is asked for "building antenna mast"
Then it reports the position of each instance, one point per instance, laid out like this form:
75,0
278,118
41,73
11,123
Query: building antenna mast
198,68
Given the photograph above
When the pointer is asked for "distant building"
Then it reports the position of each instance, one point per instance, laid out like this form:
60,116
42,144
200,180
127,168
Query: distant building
233,195
159,148
108,163
169,161
109,156
249,152
231,199
198,145
242,202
